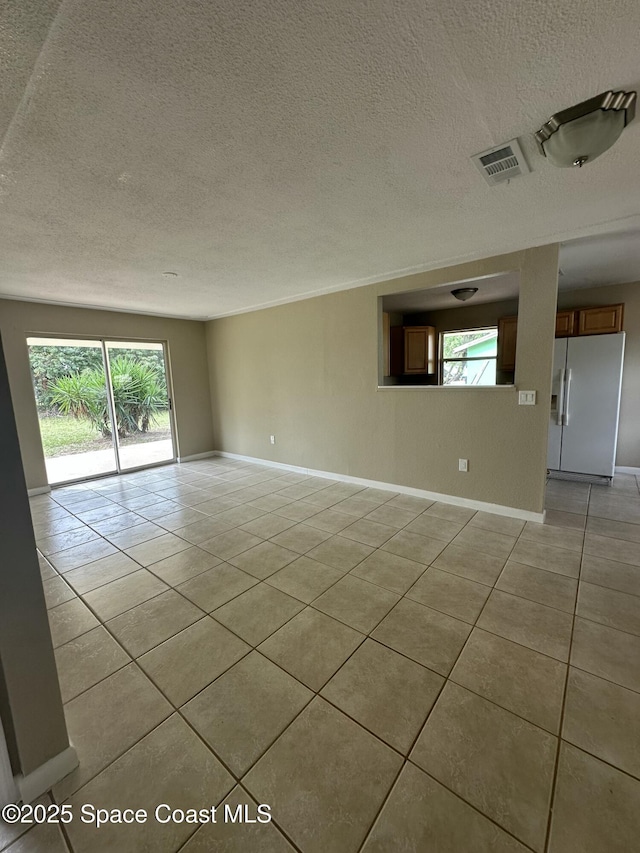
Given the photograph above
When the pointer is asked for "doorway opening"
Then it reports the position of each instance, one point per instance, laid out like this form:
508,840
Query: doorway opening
104,406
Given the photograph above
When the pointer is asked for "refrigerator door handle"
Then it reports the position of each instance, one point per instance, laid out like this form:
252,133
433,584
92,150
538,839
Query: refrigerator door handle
560,403
565,418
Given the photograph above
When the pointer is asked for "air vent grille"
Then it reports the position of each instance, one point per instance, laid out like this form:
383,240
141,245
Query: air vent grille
501,163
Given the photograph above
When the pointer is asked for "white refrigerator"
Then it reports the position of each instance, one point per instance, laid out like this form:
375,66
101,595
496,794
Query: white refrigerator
585,404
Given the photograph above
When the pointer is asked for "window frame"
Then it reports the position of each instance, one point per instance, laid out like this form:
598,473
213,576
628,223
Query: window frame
442,359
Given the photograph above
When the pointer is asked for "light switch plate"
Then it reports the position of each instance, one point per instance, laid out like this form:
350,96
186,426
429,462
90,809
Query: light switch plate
526,398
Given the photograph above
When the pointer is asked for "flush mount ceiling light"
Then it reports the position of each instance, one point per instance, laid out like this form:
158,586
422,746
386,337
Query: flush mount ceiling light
464,293
170,274
579,134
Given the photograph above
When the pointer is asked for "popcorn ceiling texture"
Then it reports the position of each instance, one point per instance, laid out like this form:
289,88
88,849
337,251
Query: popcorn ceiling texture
270,149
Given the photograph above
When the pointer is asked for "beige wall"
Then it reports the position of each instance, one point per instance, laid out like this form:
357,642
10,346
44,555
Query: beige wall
628,453
307,372
187,354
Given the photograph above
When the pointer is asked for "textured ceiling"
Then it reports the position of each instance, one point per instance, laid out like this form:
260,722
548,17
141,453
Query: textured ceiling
268,149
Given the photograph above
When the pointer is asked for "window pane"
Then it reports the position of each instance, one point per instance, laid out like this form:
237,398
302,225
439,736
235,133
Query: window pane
480,372
471,344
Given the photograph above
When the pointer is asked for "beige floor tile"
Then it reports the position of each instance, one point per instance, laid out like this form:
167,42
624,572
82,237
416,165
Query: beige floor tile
189,661
341,553
576,506
108,719
87,659
157,549
311,647
242,837
558,537
548,588
434,527
355,506
625,509
123,594
613,529
258,612
413,546
543,629
139,779
264,559
299,511
56,592
101,572
389,571
356,603
43,838
217,505
471,564
181,518
300,538
603,651
547,557
620,576
595,807
243,712
118,523
268,525
305,579
497,523
142,628
450,594
392,516
184,565
135,535
10,832
216,586
205,528
611,549
385,692
325,778
411,503
46,569
424,635
572,520
53,526
485,541
62,541
498,762
603,719
270,503
230,544
449,512
422,815
525,682
240,515
330,520
69,620
609,607
79,555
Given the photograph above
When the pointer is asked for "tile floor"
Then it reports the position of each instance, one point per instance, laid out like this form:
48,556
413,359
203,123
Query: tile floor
387,673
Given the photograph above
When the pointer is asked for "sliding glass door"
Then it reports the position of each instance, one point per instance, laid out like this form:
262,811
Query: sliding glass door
140,396
103,406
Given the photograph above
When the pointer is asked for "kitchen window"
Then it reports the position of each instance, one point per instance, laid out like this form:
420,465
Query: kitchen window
468,357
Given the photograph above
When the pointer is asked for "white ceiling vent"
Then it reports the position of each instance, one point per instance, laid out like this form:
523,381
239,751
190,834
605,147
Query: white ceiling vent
502,162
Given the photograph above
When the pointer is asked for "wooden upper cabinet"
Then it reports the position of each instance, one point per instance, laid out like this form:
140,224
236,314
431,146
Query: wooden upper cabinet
603,320
419,349
507,337
565,324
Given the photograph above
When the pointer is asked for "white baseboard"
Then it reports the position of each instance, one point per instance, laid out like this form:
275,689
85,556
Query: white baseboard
47,775
195,456
482,506
40,490
625,469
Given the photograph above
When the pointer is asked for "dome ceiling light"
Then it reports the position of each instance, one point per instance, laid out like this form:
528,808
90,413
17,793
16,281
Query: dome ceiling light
464,293
579,134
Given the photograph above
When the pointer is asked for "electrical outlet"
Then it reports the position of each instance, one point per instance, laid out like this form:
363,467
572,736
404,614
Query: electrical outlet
272,439
526,398
463,465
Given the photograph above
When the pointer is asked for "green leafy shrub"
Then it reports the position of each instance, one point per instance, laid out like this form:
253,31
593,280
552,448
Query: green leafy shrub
139,394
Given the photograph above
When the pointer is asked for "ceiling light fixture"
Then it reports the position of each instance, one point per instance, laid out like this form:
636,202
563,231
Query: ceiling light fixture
579,134
464,293
170,274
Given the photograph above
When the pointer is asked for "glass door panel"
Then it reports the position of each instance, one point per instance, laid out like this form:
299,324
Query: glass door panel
141,403
69,380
